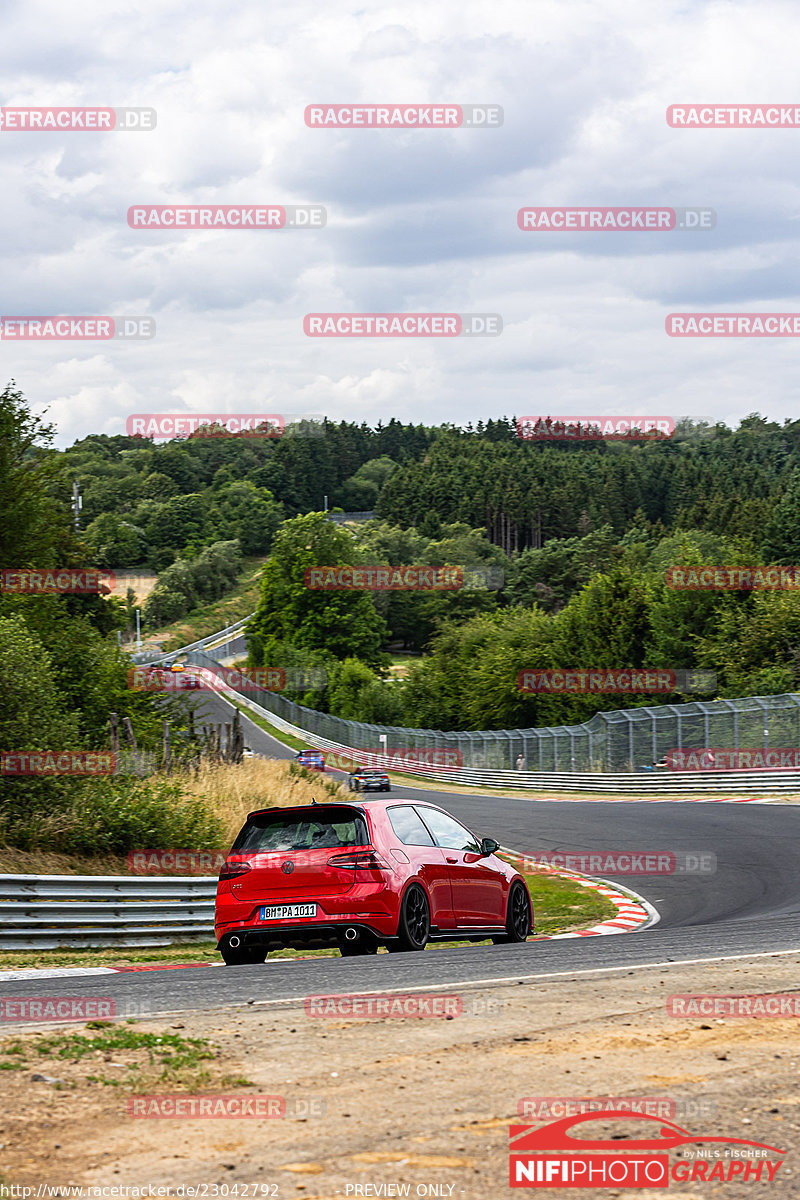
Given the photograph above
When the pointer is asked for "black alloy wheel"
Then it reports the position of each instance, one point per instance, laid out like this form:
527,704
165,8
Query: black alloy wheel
414,926
518,916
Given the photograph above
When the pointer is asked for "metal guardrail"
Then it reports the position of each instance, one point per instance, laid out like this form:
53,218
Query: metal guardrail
612,742
646,733
363,515
211,642
43,912
647,783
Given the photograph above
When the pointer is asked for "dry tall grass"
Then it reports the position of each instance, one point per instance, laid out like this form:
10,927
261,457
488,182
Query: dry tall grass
230,791
234,790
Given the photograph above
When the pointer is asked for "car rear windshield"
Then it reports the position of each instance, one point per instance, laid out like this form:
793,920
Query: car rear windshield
310,756
312,829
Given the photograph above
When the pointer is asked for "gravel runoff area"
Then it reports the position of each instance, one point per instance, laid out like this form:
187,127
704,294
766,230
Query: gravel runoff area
421,1101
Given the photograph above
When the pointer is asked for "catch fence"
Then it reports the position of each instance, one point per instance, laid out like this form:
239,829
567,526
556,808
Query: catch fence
622,740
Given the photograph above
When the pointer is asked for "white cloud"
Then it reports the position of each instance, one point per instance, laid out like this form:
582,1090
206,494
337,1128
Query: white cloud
417,220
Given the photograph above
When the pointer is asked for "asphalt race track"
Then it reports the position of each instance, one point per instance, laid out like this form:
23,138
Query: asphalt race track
750,905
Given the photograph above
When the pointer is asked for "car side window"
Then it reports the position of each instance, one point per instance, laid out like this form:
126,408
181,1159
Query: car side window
408,826
450,834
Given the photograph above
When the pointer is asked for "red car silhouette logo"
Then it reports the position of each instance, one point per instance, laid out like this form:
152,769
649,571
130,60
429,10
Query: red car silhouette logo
556,1136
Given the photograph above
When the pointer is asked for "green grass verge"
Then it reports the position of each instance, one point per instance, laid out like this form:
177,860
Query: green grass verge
286,739
111,956
148,1059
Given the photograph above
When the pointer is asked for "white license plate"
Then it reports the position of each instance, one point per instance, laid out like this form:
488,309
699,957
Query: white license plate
286,912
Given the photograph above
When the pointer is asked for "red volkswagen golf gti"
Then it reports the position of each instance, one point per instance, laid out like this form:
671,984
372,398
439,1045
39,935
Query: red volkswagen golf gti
360,875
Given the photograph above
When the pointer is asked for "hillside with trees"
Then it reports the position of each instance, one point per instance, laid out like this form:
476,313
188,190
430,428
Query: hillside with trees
565,548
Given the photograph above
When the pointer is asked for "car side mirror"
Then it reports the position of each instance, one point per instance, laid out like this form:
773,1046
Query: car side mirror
489,846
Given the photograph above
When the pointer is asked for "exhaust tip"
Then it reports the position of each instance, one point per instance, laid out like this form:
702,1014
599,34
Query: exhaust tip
351,934
234,941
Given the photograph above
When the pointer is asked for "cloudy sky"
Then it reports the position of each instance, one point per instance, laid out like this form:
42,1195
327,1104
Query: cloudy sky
417,220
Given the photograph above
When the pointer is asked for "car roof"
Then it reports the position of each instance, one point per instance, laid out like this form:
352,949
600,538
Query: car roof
362,803
293,808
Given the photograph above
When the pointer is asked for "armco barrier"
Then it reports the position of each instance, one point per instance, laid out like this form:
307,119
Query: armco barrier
694,726
43,912
649,783
214,641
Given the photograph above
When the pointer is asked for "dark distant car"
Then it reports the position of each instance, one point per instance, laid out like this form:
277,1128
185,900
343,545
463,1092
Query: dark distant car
368,781
313,759
362,874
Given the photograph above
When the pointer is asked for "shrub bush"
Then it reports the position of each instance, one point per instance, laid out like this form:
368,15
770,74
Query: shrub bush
113,816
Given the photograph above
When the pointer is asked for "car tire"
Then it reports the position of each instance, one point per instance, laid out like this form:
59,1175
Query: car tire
414,925
242,956
519,916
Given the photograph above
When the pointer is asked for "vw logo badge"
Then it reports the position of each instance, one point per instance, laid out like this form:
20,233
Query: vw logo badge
287,868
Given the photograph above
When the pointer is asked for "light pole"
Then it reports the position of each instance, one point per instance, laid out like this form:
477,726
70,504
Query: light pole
77,504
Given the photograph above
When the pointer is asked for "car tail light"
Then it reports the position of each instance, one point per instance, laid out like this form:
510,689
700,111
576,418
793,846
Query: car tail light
230,870
364,860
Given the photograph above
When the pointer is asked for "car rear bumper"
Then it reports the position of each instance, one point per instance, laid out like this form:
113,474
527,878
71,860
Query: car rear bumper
311,935
374,905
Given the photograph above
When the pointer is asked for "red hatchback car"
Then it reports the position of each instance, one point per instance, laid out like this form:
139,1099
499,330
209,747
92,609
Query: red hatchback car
360,875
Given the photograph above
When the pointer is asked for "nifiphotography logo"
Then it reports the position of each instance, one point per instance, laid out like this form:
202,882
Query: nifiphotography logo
558,1156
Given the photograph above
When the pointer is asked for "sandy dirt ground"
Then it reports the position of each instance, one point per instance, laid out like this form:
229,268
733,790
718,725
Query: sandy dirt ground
142,583
425,1102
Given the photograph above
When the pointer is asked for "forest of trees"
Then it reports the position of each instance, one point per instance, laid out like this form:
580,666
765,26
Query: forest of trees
576,538
150,503
147,503
62,674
